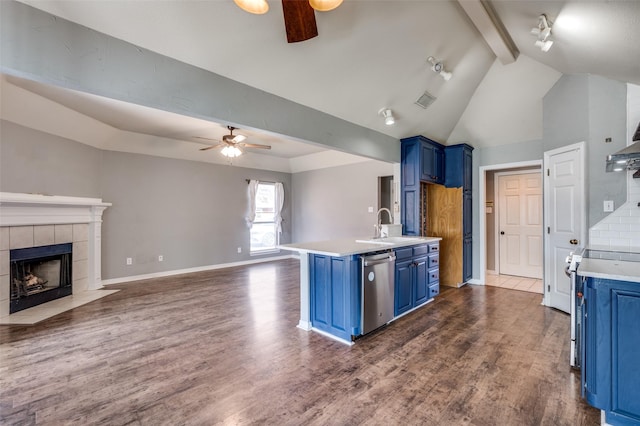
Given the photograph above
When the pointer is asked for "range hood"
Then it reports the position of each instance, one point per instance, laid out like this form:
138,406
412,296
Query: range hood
627,158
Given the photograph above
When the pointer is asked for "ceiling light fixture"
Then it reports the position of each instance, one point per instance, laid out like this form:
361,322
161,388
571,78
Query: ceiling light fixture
257,7
389,119
543,32
438,67
231,151
324,5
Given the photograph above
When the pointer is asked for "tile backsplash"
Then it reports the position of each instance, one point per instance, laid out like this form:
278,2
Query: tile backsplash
621,229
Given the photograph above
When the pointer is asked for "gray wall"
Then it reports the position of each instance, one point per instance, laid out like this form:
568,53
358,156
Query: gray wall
192,213
36,162
577,108
332,203
41,47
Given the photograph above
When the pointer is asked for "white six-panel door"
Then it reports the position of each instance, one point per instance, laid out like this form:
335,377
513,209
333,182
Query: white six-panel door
520,224
565,219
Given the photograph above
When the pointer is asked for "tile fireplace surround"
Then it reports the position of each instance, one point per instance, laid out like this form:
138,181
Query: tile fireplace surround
33,220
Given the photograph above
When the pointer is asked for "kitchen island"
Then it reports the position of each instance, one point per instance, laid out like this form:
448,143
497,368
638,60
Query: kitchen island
330,280
610,334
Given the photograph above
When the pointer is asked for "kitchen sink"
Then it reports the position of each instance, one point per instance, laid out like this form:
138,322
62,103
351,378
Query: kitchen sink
389,241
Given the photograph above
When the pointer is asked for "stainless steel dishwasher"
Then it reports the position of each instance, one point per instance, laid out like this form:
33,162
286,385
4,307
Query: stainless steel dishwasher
377,290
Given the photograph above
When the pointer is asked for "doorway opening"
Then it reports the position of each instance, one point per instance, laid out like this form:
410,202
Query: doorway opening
511,227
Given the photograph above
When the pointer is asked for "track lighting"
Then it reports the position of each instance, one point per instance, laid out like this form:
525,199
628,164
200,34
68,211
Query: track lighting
438,67
543,32
389,119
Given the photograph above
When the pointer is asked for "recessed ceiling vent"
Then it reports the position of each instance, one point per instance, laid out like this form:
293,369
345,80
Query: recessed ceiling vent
425,100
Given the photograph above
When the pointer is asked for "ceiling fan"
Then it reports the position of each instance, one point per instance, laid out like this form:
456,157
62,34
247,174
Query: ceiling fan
299,15
230,144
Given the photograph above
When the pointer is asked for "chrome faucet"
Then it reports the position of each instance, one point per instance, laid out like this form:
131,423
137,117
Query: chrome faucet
378,226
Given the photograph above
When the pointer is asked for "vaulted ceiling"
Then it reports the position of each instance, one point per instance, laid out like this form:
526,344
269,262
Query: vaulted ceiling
368,55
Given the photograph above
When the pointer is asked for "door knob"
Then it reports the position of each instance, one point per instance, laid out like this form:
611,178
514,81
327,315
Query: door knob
573,241
501,232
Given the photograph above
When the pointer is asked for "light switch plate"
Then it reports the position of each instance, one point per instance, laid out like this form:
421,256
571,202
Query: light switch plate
608,205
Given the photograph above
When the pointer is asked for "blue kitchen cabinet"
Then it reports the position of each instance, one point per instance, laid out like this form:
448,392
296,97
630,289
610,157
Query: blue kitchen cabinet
459,171
403,286
611,349
335,294
422,160
413,283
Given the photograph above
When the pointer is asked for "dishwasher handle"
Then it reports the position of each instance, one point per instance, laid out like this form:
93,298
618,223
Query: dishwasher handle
378,259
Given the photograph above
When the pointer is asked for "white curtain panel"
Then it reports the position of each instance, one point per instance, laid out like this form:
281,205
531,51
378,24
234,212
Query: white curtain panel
279,205
251,213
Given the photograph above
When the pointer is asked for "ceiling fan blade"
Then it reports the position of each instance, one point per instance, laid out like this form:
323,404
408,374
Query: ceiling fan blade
255,145
209,147
299,20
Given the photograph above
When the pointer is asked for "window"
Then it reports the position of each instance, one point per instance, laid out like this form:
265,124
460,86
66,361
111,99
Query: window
264,235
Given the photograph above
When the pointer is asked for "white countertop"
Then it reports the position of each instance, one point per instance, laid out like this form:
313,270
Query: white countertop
349,246
610,269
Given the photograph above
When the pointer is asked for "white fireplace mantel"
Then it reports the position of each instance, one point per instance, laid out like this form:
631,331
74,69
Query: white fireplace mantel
18,209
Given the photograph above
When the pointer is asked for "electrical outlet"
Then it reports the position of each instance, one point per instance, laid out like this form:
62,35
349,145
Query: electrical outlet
239,249
160,258
370,209
129,261
608,206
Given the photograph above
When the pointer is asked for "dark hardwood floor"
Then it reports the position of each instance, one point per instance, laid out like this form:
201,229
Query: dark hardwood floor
222,347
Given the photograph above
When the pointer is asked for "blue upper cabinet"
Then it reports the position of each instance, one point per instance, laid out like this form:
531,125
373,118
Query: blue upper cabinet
458,166
422,161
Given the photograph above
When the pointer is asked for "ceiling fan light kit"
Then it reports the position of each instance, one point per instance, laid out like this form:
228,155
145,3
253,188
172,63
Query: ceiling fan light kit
299,15
231,151
543,32
324,5
257,7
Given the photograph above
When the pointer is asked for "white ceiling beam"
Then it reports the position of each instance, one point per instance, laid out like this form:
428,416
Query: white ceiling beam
492,29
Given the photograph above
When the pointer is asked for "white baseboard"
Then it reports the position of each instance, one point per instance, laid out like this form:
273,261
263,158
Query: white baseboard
189,270
475,281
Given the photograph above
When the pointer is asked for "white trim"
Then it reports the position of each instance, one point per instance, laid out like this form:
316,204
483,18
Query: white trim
331,336
304,325
190,270
482,188
475,282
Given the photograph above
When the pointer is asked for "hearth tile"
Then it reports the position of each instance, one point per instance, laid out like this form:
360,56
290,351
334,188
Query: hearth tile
4,238
47,310
80,232
4,262
81,250
4,310
81,284
80,270
63,234
4,289
20,237
43,235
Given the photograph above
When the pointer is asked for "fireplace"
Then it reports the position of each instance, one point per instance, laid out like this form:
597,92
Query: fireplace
39,275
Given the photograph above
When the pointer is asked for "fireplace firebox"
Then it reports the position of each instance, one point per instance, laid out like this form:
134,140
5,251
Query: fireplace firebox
39,275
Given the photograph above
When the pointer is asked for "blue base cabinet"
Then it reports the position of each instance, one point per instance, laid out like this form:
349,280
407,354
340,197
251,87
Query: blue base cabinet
611,338
335,295
416,276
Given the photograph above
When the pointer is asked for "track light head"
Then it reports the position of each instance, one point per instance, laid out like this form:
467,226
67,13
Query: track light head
389,119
